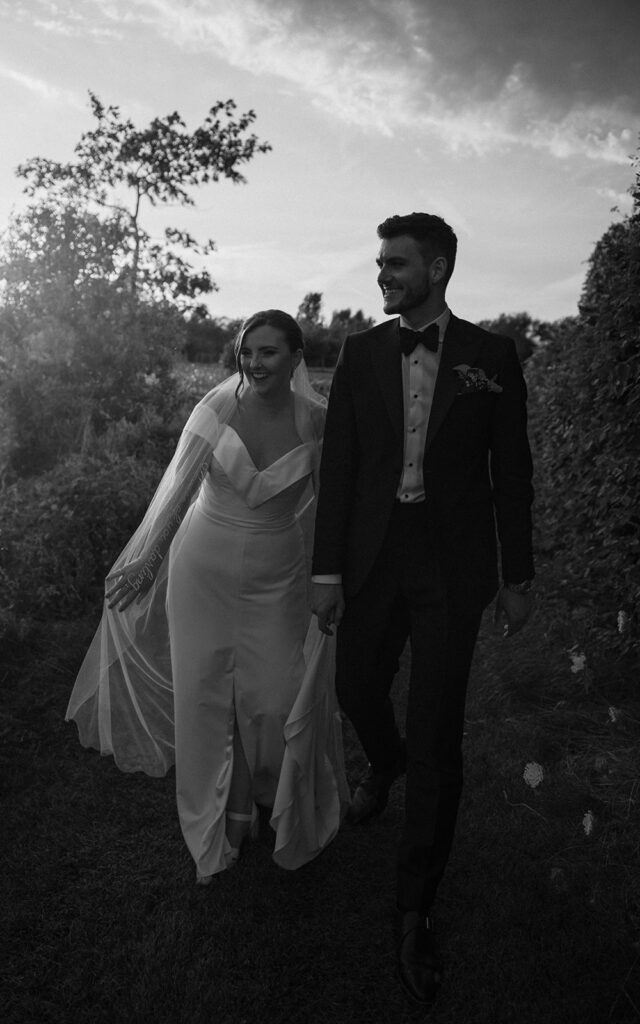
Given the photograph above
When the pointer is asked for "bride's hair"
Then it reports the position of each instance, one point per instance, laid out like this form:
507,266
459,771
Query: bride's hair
280,321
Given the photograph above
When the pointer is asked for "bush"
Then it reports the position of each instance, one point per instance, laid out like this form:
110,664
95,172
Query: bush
585,429
61,532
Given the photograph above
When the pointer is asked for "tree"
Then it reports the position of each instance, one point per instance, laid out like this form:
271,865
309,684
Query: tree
309,310
343,322
91,307
211,339
118,168
527,332
323,342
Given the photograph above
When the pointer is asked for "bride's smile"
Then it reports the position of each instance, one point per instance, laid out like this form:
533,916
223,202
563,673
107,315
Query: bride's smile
267,361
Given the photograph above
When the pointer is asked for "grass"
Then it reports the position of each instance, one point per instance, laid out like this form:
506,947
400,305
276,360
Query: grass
538,914
538,920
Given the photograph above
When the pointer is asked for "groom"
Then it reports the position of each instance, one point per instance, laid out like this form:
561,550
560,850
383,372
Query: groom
425,459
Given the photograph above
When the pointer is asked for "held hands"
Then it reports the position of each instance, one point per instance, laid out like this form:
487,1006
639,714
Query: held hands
511,611
133,581
327,602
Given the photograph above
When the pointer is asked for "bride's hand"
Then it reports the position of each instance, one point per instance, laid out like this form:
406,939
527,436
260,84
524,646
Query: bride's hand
132,581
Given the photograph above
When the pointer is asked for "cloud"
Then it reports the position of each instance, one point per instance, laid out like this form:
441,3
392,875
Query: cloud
622,201
558,76
71,18
61,28
573,50
70,23
450,71
44,90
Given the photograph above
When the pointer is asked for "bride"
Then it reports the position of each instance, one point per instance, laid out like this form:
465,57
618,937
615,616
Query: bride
206,654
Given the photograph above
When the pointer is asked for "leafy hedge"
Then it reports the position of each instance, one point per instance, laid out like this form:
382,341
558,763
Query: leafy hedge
585,428
62,530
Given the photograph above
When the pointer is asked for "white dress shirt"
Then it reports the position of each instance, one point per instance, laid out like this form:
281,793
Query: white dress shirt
419,372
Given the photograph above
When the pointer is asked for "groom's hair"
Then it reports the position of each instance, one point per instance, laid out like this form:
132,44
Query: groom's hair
432,233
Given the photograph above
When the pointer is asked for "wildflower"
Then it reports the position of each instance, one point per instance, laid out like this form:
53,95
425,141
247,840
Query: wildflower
623,621
533,774
578,662
588,822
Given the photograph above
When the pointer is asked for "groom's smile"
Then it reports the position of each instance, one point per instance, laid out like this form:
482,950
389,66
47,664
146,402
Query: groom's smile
403,275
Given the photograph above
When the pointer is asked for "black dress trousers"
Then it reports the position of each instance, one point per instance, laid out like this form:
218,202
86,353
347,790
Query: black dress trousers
407,594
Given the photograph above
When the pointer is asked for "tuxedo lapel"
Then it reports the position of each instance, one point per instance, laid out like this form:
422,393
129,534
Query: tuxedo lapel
458,347
385,355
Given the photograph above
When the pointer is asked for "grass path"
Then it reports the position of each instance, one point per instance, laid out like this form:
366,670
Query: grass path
539,921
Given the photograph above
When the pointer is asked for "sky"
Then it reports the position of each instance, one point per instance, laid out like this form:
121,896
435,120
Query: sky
516,121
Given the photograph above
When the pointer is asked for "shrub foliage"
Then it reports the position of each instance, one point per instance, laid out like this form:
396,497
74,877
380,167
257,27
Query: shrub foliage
62,530
585,424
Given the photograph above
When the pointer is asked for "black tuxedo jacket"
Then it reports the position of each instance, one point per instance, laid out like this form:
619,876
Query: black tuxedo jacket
477,462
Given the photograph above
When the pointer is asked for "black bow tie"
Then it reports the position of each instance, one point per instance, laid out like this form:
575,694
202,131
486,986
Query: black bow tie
409,339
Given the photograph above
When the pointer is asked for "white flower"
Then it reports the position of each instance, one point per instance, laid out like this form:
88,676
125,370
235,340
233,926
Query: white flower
614,714
533,774
623,621
578,662
588,822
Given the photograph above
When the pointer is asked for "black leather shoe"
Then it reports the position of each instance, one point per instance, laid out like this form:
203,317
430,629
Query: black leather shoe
372,793
419,965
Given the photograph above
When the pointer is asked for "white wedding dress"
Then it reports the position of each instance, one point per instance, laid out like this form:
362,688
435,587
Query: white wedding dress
238,617
226,636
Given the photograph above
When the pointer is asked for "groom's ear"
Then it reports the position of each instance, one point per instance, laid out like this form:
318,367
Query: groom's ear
438,270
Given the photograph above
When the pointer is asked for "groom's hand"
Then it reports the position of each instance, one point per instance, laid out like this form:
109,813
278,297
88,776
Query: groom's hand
327,602
512,611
